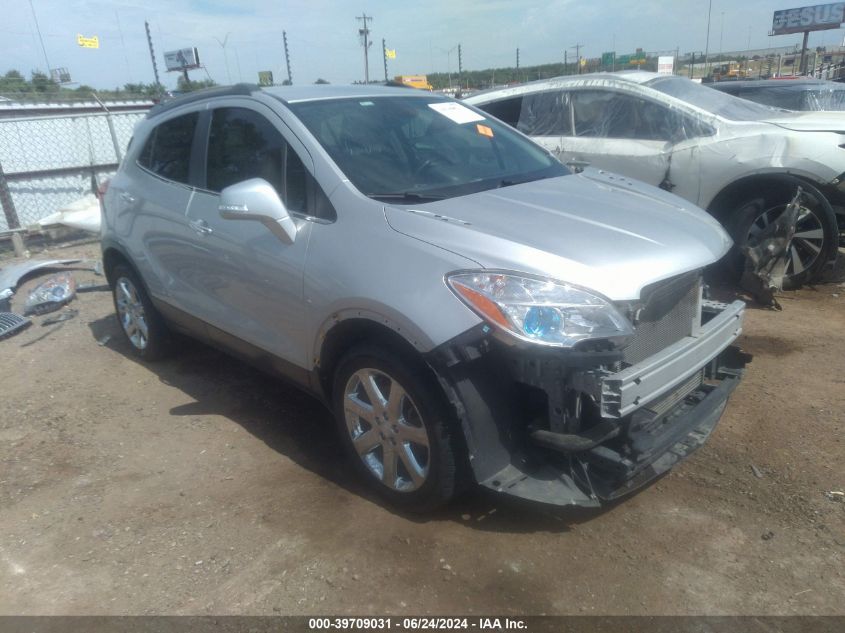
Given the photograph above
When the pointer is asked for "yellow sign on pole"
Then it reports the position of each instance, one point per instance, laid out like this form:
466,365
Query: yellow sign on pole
88,42
390,53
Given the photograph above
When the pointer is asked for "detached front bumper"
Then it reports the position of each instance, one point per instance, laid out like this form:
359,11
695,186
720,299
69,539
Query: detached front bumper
642,419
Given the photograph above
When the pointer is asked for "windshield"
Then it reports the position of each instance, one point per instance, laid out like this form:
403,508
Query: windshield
797,96
412,149
713,101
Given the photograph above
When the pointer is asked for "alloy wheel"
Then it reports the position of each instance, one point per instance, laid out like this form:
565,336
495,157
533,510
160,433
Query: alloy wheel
130,311
387,430
807,243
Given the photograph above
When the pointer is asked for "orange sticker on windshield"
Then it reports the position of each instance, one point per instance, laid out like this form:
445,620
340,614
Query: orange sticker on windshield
484,130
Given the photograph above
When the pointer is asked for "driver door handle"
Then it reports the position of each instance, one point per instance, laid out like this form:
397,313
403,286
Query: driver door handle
201,227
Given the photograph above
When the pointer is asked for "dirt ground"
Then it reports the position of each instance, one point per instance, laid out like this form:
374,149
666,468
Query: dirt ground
201,486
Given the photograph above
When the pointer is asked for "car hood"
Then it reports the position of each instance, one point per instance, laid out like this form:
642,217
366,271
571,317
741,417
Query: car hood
596,230
811,121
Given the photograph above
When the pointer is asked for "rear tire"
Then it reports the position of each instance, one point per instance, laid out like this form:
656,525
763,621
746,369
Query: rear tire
141,324
816,237
395,429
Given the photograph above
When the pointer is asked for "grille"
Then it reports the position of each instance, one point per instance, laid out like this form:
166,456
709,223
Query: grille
11,323
668,400
667,313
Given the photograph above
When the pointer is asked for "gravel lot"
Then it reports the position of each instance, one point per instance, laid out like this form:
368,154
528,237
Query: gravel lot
200,486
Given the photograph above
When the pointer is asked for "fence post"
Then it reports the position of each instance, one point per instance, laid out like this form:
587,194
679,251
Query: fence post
110,123
7,203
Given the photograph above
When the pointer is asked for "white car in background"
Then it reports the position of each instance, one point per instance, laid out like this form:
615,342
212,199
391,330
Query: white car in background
740,160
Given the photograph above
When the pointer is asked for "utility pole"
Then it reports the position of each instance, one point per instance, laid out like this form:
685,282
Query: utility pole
384,55
460,67
707,43
364,32
565,63
577,48
152,54
287,57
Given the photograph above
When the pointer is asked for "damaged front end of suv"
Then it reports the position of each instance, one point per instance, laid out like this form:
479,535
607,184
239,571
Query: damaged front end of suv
568,398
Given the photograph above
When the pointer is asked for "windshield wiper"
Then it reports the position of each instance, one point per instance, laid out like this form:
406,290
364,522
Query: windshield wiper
409,196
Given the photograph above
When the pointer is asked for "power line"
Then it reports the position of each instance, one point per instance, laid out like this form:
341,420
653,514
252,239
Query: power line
40,39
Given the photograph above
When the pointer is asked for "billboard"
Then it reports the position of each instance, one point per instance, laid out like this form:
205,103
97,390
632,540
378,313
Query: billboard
815,18
88,42
265,77
665,65
183,59
60,75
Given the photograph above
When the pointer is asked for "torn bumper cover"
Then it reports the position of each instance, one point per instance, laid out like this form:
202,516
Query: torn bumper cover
579,428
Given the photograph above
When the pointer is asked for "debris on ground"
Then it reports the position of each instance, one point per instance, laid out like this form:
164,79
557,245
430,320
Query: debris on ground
102,341
51,294
11,324
80,214
757,472
93,287
767,535
835,495
67,315
12,275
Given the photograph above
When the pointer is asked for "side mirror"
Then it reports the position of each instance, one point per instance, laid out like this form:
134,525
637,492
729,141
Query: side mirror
256,199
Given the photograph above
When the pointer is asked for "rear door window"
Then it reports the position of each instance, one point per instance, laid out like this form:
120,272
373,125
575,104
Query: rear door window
167,151
506,110
546,114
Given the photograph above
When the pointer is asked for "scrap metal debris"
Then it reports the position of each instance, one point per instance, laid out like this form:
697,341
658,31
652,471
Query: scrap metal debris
11,324
766,261
6,300
51,294
12,275
93,287
67,315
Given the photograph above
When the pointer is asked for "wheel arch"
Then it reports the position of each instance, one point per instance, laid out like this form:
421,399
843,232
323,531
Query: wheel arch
724,202
113,255
349,328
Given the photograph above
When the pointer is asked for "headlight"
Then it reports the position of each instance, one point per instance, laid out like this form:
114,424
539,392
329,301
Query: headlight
539,310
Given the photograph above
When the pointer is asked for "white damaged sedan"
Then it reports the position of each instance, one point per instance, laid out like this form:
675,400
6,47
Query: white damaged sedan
741,161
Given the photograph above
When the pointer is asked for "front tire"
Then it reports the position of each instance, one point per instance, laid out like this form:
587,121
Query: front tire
816,236
141,324
394,426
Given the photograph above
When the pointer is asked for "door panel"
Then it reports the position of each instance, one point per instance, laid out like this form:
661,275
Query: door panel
245,281
152,206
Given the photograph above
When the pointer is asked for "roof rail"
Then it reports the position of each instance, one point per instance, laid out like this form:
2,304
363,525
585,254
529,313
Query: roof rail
199,95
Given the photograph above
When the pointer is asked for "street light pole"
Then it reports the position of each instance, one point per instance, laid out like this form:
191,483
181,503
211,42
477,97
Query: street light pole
225,56
707,43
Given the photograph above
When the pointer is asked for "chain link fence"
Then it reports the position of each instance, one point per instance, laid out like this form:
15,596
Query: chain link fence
47,162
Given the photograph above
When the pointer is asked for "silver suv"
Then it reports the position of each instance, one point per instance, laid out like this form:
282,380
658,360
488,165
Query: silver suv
468,308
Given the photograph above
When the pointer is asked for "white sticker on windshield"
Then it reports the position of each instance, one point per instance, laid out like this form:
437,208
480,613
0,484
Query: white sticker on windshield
456,112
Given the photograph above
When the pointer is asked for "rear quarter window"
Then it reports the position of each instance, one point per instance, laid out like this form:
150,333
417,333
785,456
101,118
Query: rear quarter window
167,151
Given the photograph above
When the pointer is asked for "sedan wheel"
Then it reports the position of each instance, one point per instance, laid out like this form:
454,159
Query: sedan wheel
807,243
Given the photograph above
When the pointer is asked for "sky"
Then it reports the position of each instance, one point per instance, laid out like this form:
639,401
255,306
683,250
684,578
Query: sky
324,43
